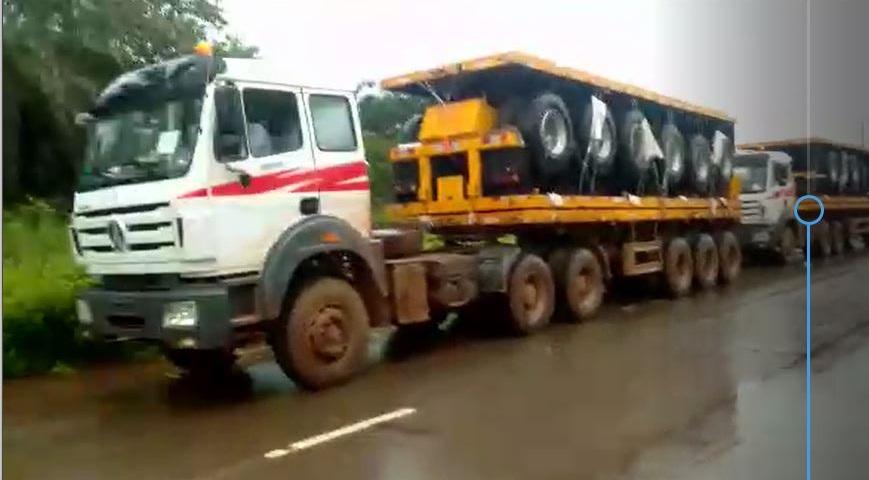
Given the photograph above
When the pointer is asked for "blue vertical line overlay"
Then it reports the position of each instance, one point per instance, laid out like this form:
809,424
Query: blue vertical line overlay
809,352
808,224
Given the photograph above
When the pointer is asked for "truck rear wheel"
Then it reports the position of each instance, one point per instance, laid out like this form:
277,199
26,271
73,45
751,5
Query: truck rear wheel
824,241
678,267
705,262
323,339
530,295
837,238
729,257
582,284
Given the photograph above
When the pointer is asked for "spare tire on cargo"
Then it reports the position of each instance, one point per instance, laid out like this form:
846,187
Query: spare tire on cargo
634,164
844,173
603,154
725,166
547,130
699,164
409,130
831,168
856,175
673,145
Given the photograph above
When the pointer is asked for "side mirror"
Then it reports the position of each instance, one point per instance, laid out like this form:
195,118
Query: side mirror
244,178
229,141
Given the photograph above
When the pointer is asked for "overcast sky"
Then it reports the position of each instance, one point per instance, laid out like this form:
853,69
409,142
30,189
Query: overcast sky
745,57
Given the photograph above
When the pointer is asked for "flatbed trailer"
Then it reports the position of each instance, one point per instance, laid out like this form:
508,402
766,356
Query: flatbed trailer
569,243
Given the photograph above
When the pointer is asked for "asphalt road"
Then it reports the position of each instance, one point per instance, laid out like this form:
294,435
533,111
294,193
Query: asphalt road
707,387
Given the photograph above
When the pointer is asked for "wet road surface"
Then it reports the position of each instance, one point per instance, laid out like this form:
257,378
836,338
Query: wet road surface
707,387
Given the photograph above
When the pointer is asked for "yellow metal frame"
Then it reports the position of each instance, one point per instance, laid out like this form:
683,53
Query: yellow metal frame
543,209
548,67
832,204
799,142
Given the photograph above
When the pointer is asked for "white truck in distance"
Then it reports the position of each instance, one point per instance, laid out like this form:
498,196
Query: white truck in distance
767,197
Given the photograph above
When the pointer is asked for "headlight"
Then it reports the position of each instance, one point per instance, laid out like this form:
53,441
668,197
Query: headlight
180,314
83,312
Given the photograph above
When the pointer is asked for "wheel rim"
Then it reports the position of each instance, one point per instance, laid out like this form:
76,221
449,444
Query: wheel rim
553,132
531,299
326,334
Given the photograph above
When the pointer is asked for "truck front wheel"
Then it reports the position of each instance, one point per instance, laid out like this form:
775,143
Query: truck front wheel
322,339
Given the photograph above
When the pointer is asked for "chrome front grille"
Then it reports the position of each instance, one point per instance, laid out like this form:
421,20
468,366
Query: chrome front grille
142,228
751,209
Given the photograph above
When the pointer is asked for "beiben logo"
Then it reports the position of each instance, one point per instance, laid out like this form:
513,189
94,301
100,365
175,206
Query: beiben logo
116,235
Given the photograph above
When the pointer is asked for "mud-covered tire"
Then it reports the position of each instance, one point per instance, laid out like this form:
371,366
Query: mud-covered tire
201,363
673,146
823,239
322,339
729,257
579,283
837,238
530,295
678,267
700,169
705,262
547,129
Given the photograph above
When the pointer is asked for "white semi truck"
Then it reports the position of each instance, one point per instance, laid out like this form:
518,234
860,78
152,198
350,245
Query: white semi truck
225,203
775,174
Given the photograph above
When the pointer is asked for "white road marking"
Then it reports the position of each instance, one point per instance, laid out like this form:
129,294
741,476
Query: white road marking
340,432
276,453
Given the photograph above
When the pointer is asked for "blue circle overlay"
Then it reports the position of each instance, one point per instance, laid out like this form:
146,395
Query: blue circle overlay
797,213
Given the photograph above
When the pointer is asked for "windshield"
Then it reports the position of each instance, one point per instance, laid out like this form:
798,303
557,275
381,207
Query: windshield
141,145
752,173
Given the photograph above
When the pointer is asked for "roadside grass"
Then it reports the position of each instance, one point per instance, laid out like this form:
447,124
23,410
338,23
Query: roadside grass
40,281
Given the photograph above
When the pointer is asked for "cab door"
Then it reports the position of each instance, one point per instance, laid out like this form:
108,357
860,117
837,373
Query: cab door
267,172
339,157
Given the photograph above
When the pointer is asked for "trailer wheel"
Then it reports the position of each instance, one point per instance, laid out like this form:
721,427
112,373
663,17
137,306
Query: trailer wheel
530,295
582,284
787,243
678,267
546,127
700,162
705,262
729,257
323,339
837,238
673,145
824,241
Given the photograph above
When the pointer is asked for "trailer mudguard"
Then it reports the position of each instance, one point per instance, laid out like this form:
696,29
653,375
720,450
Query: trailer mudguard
314,235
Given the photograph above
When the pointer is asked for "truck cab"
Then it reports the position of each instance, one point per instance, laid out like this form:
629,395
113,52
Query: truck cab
208,185
767,196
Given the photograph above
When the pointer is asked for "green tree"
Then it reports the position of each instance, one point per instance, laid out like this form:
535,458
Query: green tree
58,54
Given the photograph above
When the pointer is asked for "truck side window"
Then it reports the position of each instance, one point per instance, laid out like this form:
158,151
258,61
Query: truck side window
273,122
780,174
333,123
230,142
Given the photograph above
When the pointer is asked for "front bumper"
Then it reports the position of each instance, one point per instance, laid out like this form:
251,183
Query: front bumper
758,237
139,315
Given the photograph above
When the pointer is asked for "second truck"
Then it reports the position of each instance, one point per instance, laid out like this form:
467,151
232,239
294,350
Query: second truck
225,203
